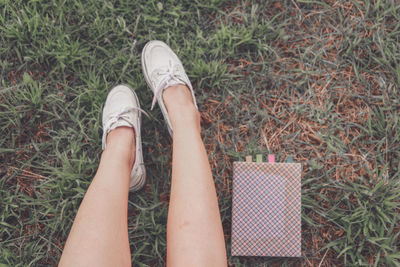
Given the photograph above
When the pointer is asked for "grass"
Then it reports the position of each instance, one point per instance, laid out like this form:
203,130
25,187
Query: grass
315,79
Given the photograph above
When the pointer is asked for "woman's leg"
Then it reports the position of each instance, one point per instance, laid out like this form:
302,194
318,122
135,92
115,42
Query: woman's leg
194,231
99,234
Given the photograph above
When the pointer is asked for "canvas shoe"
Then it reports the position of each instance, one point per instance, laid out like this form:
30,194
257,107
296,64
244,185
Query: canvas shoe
122,109
162,68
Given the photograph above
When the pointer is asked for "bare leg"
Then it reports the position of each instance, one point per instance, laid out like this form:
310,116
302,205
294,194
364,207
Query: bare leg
194,230
99,234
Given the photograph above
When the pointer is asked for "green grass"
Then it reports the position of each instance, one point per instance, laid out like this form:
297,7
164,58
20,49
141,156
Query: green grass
317,80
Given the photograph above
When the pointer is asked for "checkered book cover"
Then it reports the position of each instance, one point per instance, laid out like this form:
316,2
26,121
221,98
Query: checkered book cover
266,209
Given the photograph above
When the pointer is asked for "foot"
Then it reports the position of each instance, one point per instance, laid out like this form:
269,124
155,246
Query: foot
121,121
163,69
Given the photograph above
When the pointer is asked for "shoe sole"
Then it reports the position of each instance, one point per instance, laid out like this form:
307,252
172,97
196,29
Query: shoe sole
142,180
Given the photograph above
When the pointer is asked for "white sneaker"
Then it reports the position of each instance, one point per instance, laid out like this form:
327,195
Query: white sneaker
122,109
162,68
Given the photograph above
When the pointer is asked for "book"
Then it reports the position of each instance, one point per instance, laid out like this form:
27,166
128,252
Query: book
266,209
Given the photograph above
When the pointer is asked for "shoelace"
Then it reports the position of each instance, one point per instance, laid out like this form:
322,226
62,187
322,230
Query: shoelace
168,76
123,114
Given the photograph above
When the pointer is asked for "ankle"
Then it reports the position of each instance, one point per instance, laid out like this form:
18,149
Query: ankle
181,109
185,118
121,145
178,96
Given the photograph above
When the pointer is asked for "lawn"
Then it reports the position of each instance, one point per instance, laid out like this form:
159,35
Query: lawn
317,80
